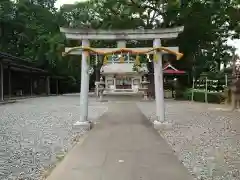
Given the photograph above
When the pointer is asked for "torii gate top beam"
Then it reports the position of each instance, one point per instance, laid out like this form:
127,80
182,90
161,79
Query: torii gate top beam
146,34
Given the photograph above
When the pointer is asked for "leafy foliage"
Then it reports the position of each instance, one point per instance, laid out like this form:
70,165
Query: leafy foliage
30,29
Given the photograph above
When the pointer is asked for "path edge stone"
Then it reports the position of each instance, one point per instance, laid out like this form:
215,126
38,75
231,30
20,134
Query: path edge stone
60,166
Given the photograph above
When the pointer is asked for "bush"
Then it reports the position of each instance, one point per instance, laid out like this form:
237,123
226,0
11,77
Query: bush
199,96
180,94
179,91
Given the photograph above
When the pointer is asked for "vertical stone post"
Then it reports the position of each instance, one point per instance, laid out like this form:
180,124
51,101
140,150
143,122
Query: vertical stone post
158,81
233,101
193,87
206,90
9,83
1,82
84,87
97,74
48,85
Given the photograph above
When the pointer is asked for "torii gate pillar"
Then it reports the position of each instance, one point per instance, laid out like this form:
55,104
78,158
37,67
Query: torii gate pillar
158,81
84,87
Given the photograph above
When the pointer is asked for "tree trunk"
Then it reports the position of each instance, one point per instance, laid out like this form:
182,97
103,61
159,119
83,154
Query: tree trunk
151,88
98,68
97,73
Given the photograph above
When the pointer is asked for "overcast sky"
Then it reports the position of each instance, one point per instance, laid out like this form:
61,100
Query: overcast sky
61,2
235,43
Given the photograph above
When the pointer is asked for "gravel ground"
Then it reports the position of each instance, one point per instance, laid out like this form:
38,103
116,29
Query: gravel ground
205,138
34,131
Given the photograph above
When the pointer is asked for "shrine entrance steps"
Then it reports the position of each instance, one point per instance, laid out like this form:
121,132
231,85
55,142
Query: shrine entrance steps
121,146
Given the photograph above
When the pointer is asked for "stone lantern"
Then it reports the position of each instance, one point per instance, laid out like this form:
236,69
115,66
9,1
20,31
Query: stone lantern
144,88
100,89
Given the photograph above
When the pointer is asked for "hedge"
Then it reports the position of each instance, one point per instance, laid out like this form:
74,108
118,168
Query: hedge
199,96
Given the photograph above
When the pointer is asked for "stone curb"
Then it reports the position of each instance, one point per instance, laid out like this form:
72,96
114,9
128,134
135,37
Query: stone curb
61,166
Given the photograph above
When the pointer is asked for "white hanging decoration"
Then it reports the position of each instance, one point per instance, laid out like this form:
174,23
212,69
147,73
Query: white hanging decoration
90,70
148,57
121,58
113,58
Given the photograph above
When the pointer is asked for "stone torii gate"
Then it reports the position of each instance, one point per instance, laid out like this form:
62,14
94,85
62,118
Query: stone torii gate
121,36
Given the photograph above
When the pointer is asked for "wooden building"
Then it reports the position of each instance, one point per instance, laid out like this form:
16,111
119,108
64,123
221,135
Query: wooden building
19,77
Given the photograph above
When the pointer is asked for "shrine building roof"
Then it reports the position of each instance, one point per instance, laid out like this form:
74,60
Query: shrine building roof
118,68
169,69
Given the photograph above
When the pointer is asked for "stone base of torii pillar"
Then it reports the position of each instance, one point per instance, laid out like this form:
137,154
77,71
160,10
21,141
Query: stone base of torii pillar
82,126
160,126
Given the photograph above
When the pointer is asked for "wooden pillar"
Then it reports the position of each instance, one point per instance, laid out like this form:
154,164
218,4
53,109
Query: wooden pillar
57,86
31,83
48,85
1,82
31,86
9,82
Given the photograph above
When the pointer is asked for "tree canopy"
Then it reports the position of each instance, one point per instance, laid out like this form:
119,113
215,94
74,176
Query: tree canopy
30,29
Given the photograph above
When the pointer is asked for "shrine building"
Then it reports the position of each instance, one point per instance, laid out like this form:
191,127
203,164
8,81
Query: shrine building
122,77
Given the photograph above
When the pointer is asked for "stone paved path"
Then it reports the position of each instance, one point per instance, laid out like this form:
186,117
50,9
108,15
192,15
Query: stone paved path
122,146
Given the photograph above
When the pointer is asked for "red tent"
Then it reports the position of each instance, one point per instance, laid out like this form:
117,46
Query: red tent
169,69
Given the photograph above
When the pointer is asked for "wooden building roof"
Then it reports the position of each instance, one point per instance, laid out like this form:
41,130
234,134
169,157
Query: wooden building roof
19,64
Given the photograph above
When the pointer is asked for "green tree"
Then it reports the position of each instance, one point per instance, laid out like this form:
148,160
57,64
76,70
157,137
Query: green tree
30,29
